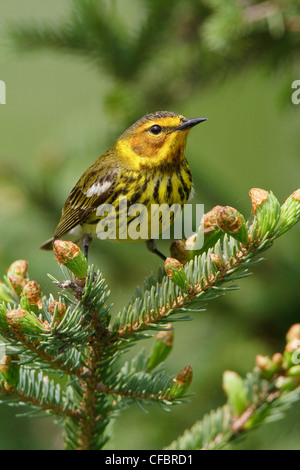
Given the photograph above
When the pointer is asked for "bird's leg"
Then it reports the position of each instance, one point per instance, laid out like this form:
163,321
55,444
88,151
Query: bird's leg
151,245
86,241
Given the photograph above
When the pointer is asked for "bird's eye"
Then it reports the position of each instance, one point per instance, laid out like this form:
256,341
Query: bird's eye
156,129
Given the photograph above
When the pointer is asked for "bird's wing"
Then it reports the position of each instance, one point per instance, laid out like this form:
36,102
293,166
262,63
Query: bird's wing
93,189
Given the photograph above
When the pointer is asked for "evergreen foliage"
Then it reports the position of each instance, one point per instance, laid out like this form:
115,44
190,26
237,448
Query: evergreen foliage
220,37
64,357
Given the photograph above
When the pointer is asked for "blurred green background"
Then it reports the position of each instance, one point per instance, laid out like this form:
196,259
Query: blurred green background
65,109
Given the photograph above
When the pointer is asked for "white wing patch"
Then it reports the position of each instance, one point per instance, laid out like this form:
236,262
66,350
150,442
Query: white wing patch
98,188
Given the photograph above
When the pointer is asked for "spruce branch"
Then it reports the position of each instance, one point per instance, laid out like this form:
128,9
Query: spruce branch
89,30
262,396
74,339
226,260
36,390
214,31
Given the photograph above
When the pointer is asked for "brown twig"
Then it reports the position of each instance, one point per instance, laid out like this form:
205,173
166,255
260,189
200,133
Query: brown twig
181,301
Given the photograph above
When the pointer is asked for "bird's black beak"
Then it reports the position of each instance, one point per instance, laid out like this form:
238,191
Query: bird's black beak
188,123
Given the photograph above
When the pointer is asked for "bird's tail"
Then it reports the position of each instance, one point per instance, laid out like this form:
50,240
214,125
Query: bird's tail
48,245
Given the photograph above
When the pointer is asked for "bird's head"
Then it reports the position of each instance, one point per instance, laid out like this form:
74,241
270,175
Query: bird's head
155,139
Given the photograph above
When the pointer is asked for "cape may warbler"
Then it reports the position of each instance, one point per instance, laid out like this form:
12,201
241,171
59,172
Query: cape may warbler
146,166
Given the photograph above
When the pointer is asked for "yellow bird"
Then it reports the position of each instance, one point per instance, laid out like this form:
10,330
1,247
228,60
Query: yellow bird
146,165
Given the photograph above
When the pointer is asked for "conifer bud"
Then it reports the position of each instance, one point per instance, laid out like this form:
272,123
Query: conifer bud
289,213
263,362
172,265
258,196
207,235
182,381
16,274
268,366
9,370
174,270
292,348
294,371
190,243
296,195
19,268
231,221
178,251
209,220
57,307
292,353
17,282
293,332
266,210
287,383
25,322
277,359
69,254
161,347
214,258
236,392
32,291
228,219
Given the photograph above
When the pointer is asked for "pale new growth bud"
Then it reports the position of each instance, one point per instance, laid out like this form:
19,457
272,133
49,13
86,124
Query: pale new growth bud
184,377
65,251
293,332
214,258
61,309
171,265
25,322
210,220
32,291
18,267
228,219
17,282
296,195
166,336
178,250
69,254
258,196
